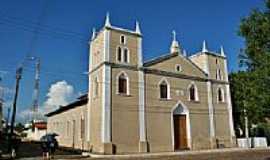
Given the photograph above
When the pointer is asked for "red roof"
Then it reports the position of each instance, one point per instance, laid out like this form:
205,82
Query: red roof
40,125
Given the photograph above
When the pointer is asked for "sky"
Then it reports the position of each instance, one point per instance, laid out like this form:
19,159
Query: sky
57,32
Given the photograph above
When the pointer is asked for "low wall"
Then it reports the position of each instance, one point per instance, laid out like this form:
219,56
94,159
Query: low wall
254,142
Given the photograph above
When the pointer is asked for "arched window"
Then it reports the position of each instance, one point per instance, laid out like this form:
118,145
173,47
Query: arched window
122,39
126,55
164,89
220,95
193,93
123,84
96,87
178,68
119,54
218,74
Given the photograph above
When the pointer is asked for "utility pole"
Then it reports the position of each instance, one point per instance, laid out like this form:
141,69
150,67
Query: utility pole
36,90
18,78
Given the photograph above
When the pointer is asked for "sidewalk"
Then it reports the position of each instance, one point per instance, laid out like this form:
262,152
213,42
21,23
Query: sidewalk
198,152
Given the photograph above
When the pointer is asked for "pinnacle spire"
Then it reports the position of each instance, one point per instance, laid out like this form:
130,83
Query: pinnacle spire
222,53
184,53
174,35
204,48
107,21
137,29
93,34
175,45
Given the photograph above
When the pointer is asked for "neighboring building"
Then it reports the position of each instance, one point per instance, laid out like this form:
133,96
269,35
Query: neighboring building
69,123
169,103
35,130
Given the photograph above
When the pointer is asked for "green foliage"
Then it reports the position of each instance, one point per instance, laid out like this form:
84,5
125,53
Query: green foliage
255,29
251,87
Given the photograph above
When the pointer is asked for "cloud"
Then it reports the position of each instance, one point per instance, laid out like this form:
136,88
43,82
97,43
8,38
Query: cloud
60,93
27,114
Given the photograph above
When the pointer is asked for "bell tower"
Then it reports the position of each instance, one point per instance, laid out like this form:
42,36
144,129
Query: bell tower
111,49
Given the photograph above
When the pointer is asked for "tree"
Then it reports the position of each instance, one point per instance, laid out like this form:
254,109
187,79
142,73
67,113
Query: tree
255,29
251,87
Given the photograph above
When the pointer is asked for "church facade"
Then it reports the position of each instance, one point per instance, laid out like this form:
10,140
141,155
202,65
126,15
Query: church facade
169,103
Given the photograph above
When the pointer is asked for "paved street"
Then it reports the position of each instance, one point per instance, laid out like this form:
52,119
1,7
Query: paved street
32,151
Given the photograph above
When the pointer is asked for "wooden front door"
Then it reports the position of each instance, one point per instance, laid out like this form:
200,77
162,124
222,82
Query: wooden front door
180,132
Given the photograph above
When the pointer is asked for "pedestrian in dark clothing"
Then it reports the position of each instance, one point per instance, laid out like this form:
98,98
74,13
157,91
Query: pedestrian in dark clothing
45,149
49,145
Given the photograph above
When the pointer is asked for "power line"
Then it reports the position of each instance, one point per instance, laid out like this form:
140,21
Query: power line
43,31
46,33
41,19
41,26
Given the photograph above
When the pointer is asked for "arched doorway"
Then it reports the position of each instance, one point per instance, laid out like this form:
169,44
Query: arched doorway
180,127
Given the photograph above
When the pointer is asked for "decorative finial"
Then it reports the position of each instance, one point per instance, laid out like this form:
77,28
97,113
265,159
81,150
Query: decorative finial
175,46
174,35
137,29
222,53
204,48
93,34
107,21
184,53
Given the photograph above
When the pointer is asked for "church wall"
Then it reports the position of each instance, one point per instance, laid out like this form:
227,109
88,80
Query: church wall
96,112
187,67
125,123
158,113
221,117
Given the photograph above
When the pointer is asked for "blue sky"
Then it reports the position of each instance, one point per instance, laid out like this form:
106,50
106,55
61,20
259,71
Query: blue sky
65,27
